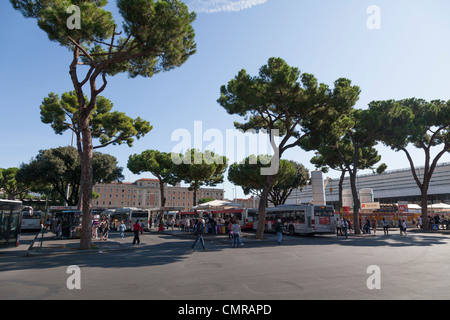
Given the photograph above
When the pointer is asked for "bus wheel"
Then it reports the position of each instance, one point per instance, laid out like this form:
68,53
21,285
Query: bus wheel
291,230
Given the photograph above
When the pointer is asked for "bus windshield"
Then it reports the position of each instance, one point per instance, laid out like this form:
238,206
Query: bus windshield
323,212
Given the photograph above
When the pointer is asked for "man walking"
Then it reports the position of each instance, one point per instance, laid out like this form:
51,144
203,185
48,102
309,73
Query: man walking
198,232
136,229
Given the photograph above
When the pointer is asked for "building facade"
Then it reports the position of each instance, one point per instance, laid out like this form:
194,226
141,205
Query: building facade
389,187
145,193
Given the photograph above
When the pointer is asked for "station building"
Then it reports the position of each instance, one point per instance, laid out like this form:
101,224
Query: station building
388,187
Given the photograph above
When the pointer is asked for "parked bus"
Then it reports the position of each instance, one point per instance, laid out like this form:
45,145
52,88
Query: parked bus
10,222
129,216
300,219
31,220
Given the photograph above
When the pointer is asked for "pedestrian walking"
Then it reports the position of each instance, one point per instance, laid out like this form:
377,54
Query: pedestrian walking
136,228
385,225
121,229
198,233
236,228
279,230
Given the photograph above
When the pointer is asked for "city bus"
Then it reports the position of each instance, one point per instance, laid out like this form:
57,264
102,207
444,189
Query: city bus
31,220
300,219
10,222
129,216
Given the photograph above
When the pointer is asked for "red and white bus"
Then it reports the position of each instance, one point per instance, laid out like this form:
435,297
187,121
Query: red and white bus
300,219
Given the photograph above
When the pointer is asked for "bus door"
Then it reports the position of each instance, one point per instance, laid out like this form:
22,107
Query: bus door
309,223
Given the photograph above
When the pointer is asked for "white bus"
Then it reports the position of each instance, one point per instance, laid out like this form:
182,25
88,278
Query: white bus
31,220
300,219
129,216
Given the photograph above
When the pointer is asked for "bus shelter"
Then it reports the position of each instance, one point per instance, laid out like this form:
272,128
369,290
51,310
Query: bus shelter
67,224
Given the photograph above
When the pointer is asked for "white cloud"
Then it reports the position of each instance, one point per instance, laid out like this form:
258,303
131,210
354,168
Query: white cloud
212,6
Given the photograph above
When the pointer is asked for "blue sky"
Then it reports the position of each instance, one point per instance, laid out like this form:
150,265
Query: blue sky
407,57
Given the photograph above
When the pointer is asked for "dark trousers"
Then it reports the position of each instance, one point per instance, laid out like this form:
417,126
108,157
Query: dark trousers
136,237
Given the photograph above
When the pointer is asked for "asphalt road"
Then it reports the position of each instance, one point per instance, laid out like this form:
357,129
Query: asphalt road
163,267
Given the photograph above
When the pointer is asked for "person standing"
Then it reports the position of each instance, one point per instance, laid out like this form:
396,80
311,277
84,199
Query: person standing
338,228
198,233
228,225
344,226
136,229
404,226
400,226
104,226
373,224
385,225
95,227
279,230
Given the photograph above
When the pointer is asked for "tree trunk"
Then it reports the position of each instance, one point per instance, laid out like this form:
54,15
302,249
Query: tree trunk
262,207
356,203
86,178
424,204
341,188
163,198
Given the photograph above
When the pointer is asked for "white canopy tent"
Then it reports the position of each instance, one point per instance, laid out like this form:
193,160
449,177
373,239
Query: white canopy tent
439,206
218,204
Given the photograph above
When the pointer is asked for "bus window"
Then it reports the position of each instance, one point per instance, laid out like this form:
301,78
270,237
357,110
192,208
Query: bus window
300,216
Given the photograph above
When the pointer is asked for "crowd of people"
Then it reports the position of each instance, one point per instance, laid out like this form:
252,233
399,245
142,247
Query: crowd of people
370,225
198,226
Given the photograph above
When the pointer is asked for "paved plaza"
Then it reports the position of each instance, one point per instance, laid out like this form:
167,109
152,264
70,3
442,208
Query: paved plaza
162,267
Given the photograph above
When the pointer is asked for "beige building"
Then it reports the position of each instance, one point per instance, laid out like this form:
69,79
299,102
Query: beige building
145,193
249,203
